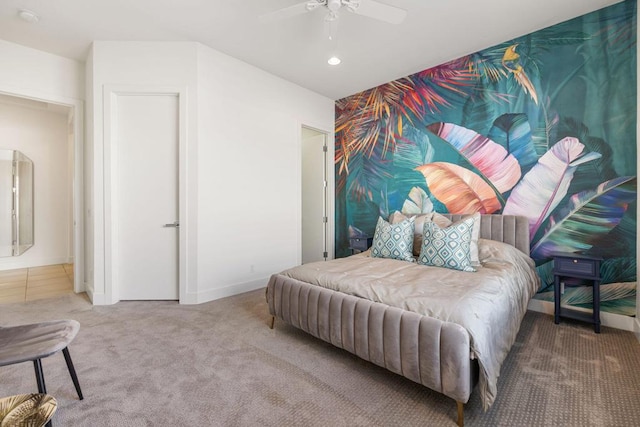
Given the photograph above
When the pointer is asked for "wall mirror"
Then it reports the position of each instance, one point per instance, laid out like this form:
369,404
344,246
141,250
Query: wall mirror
16,203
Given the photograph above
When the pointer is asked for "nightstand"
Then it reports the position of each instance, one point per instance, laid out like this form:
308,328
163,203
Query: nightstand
572,268
360,244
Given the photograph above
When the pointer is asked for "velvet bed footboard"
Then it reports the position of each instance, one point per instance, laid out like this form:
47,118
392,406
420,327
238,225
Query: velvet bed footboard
423,349
429,351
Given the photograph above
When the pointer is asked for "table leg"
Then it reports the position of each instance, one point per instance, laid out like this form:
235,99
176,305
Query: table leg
556,299
596,306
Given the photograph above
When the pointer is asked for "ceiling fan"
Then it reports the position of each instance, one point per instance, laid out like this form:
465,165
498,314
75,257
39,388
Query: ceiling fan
369,8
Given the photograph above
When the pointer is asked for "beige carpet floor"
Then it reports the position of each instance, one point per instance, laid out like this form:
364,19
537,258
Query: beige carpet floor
218,364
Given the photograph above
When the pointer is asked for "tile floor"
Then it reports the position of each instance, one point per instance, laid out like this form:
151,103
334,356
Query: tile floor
28,284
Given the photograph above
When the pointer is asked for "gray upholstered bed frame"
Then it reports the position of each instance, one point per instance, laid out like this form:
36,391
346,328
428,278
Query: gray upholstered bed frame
426,350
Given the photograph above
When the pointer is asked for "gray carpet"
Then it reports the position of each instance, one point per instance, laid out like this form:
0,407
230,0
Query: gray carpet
218,364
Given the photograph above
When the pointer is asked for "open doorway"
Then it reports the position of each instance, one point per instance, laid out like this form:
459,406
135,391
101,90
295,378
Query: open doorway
315,196
49,132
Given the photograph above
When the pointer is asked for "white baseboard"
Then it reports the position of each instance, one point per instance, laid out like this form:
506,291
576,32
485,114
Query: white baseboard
227,291
192,298
606,319
12,263
637,329
94,297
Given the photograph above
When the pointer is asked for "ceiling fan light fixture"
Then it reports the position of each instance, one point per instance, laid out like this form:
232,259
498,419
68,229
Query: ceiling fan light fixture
28,16
334,60
331,17
352,5
315,3
334,5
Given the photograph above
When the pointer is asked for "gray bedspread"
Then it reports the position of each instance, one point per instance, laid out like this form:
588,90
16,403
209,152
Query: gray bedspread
489,303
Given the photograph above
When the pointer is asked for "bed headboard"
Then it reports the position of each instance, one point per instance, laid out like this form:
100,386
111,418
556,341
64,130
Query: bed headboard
510,229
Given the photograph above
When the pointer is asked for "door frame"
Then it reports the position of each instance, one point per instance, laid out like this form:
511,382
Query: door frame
75,119
111,94
330,195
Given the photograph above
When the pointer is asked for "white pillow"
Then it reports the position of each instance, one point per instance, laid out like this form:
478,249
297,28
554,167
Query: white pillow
420,219
475,235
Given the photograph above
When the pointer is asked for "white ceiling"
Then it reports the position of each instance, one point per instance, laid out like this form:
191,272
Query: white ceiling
372,52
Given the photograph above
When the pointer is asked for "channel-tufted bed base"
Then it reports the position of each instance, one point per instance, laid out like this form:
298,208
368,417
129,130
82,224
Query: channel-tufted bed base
426,350
423,349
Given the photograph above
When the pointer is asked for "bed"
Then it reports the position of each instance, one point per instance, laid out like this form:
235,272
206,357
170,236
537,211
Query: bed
446,329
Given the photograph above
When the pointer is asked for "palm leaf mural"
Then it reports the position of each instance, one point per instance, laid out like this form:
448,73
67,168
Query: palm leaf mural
370,175
511,62
459,189
379,115
618,298
546,184
582,74
513,132
546,130
625,307
413,149
589,216
545,271
603,167
620,243
418,202
500,168
488,62
583,295
621,269
482,106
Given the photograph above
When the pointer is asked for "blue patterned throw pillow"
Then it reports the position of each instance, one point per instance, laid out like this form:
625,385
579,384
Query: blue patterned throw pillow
448,247
393,241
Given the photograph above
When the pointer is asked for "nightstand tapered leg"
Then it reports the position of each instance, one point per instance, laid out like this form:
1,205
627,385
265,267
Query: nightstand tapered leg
596,306
556,299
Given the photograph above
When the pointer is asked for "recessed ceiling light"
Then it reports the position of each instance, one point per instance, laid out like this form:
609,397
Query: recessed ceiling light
334,60
28,16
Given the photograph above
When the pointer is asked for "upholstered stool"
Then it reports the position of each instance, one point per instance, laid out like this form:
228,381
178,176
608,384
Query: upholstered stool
35,341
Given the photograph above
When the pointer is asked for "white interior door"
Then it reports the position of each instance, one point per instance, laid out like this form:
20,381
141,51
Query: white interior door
314,196
146,252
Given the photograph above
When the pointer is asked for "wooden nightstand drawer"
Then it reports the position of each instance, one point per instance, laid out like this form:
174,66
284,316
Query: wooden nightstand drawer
575,266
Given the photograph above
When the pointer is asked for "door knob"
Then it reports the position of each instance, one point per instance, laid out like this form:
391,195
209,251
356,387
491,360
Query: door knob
174,224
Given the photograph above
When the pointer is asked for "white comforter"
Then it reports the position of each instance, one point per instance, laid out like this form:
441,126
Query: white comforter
489,303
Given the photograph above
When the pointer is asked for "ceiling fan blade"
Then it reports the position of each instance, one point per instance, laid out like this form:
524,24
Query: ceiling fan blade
381,11
287,12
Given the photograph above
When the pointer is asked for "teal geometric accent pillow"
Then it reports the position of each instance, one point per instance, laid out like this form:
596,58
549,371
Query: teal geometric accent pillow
393,241
448,247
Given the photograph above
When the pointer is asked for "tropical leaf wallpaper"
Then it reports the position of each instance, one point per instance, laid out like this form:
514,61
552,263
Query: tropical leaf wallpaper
542,126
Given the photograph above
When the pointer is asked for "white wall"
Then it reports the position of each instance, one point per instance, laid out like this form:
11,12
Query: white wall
138,66
249,136
242,156
37,75
41,135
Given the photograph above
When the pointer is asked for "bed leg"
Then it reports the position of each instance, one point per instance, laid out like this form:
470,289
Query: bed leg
460,414
271,322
